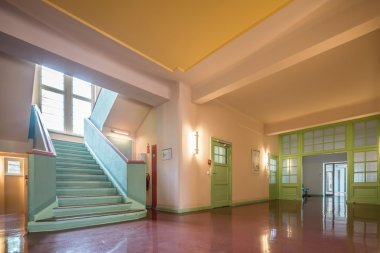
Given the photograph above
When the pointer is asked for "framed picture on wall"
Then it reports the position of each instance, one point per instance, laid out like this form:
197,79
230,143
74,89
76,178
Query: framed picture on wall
167,154
255,160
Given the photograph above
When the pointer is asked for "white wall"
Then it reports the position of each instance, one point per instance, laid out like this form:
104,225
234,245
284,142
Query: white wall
313,170
16,88
184,181
147,134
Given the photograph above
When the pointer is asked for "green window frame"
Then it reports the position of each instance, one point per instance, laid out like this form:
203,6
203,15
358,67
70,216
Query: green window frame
365,166
220,155
289,170
272,171
324,139
366,133
289,144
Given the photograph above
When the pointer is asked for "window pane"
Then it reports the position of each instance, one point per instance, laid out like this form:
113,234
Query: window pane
285,171
293,170
81,88
285,179
52,78
371,177
52,110
358,177
358,167
81,110
359,156
293,179
371,166
371,156
14,167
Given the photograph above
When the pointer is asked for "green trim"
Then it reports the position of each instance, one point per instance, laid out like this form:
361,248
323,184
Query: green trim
250,202
356,192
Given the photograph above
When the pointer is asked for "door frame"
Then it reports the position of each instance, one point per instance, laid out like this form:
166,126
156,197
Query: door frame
229,160
333,177
154,176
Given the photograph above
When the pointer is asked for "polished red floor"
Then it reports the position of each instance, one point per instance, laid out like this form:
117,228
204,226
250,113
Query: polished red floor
316,225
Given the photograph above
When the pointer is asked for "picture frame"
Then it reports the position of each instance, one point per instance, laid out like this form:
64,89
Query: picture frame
13,166
167,154
255,160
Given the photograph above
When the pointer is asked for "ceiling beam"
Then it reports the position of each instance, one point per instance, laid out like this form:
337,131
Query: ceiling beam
297,46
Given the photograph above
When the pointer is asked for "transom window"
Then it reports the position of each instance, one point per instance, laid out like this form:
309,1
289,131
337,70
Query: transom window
365,133
290,144
65,101
325,139
365,166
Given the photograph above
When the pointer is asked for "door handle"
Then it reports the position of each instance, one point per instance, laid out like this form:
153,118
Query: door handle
214,173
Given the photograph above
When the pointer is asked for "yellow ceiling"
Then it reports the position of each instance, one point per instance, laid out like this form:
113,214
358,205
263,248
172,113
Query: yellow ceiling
176,34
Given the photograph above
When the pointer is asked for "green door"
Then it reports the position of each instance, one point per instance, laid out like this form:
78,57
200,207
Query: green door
273,177
221,174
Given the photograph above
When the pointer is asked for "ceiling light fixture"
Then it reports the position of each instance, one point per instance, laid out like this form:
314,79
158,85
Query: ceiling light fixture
119,132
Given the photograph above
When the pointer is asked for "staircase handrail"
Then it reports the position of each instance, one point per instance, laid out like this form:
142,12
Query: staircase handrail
46,140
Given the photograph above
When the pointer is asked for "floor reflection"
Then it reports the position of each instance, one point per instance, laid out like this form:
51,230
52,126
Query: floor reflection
318,225
12,231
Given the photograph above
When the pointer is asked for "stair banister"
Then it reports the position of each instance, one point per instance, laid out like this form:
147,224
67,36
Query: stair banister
41,168
39,133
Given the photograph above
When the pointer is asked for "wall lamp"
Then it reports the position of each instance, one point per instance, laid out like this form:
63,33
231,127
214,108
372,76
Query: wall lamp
196,148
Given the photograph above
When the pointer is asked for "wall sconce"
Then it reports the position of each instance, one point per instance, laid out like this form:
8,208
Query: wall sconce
266,160
196,148
119,132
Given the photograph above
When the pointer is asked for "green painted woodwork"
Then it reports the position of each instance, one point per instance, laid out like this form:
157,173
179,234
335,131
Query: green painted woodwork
41,183
221,173
136,182
102,107
273,177
353,136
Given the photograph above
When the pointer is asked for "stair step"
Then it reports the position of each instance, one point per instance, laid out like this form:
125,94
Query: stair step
86,191
79,171
75,159
72,152
82,177
68,143
72,161
87,184
93,209
64,201
66,155
64,218
77,165
85,221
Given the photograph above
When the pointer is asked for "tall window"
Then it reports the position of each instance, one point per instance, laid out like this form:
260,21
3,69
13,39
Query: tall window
65,101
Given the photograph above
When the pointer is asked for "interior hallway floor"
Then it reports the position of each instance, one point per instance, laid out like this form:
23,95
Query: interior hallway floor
315,225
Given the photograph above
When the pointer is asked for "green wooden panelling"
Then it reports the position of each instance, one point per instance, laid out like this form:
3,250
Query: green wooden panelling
366,192
41,183
136,187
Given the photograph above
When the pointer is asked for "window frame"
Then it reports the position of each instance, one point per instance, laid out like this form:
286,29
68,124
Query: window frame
68,98
21,160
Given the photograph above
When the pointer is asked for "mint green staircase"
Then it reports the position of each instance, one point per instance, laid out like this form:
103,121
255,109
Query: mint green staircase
85,195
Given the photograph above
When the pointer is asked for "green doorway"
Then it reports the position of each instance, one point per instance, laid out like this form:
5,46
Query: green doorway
221,173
